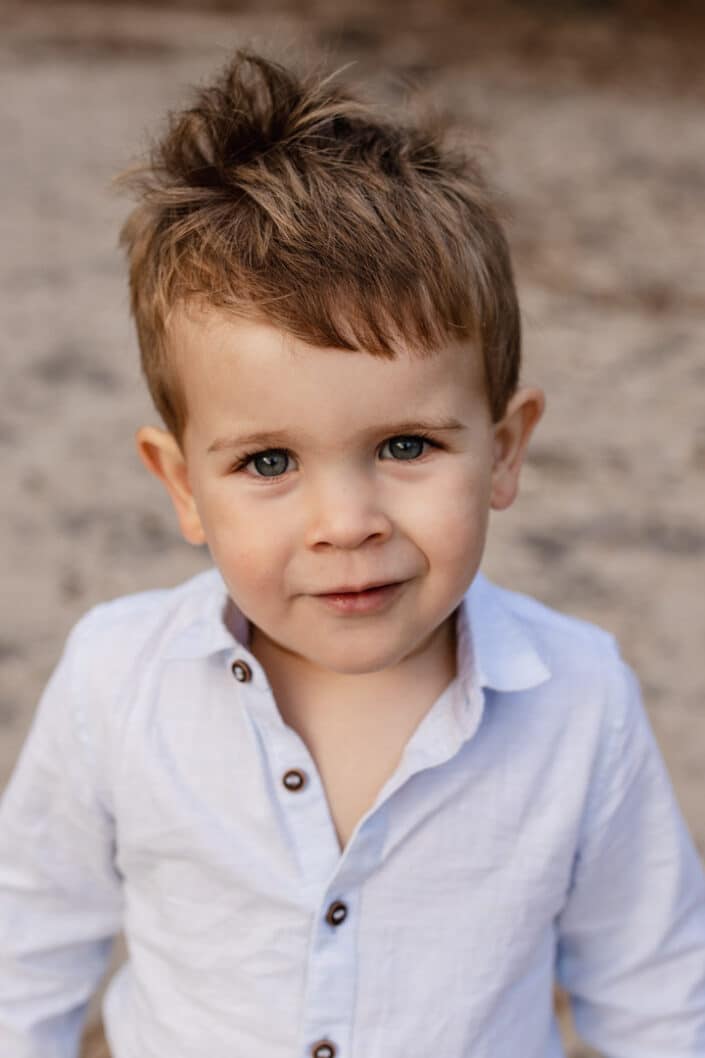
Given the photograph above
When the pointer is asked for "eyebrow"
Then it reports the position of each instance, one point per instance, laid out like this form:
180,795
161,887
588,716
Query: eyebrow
274,438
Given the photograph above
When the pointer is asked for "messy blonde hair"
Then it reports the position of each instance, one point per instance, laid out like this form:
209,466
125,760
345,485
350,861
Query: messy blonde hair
283,197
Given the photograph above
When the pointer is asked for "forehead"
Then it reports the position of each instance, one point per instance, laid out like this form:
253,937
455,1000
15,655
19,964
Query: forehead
247,373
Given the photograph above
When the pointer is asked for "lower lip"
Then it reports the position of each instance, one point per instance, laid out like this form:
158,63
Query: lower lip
362,601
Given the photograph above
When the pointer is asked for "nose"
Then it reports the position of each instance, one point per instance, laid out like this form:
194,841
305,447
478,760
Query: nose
345,514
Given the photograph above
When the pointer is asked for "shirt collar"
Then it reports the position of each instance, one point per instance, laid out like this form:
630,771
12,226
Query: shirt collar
215,624
495,649
505,655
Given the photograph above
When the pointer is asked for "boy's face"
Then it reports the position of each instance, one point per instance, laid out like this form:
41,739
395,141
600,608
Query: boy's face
345,493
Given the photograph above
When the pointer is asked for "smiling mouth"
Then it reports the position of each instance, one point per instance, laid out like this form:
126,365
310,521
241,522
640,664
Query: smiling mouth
360,591
370,601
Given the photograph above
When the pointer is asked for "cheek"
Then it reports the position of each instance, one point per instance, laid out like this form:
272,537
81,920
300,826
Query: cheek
251,550
455,521
459,535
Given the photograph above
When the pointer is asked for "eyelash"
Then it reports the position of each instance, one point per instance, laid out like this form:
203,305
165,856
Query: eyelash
247,457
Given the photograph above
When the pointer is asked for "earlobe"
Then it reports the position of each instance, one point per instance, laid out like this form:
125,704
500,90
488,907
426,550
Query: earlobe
162,456
512,436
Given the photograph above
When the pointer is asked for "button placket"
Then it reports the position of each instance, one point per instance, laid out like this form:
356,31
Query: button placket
329,1003
294,780
304,805
331,975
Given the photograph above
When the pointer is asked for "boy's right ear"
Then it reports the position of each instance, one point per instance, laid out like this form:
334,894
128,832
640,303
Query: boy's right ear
160,452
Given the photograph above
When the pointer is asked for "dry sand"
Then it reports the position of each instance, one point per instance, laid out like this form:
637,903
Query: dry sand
589,121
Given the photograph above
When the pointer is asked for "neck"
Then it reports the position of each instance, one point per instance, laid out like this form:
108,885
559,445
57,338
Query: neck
420,677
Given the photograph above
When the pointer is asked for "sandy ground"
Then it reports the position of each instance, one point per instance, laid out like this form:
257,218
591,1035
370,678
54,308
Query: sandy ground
590,122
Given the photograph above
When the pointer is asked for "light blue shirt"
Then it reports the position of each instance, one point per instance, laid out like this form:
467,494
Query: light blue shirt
528,832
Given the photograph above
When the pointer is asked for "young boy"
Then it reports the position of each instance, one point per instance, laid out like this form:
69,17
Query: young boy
344,796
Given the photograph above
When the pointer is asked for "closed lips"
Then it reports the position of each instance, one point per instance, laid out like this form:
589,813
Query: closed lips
355,591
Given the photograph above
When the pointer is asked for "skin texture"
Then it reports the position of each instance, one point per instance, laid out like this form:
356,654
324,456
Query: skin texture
351,501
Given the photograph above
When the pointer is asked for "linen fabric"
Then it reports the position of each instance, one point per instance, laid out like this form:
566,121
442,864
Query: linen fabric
529,833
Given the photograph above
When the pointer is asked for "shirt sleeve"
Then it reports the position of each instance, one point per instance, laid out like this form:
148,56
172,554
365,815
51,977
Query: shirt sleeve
60,895
631,937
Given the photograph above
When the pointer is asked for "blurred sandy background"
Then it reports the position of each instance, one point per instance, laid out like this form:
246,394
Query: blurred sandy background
590,119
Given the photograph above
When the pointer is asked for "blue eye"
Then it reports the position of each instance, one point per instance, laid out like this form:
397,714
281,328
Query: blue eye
268,461
271,463
406,446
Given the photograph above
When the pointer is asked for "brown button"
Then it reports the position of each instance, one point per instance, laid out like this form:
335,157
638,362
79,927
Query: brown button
337,913
241,671
324,1049
294,779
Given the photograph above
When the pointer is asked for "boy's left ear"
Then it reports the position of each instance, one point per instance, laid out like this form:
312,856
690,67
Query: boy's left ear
511,437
